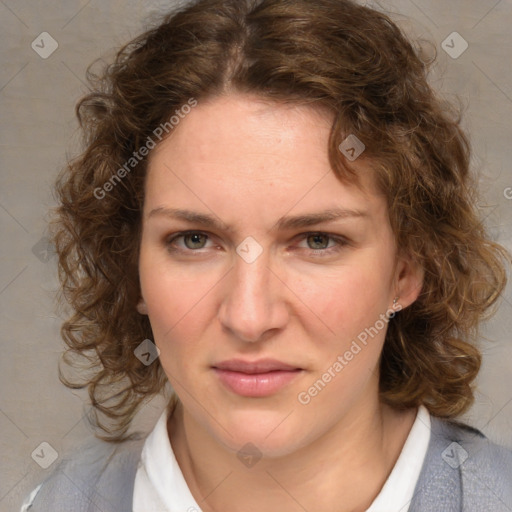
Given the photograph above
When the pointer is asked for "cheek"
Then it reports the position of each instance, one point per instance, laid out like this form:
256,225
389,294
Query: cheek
177,305
172,292
347,301
176,320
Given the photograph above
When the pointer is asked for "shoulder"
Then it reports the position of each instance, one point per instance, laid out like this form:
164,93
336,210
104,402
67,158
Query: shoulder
463,469
99,476
470,449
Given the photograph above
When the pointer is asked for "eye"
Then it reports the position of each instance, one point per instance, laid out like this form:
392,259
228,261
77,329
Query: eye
318,241
191,240
322,244
195,240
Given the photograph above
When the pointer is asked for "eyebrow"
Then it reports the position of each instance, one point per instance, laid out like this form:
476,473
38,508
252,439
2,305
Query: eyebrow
284,223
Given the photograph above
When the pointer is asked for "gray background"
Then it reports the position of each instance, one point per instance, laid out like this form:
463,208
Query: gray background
38,131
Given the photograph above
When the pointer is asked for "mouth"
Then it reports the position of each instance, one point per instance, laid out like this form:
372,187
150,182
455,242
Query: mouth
255,379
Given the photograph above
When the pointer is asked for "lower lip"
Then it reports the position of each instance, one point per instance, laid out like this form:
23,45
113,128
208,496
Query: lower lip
256,384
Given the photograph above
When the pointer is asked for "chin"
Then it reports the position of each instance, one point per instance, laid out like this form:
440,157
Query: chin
275,433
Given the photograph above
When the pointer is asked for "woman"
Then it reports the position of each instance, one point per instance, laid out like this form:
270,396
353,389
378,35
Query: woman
274,214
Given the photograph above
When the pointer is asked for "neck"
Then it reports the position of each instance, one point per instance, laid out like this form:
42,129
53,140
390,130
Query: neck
343,471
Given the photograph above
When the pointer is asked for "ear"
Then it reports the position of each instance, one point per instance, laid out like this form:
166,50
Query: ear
408,280
141,307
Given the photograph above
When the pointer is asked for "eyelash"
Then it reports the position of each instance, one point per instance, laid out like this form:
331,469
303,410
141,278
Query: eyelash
339,241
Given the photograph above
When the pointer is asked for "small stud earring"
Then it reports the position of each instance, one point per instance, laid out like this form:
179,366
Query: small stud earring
395,300
141,307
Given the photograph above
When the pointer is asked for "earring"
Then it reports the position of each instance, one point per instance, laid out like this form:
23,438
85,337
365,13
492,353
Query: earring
141,307
395,300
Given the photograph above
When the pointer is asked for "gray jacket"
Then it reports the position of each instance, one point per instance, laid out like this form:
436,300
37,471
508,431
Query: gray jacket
462,472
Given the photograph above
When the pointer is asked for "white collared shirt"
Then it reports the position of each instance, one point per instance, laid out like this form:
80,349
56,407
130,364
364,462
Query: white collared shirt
161,487
159,482
398,490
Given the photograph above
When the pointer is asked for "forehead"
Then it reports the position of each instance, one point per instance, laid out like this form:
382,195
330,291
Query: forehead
259,127
251,152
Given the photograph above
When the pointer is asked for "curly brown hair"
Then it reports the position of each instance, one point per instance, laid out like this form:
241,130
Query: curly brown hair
336,54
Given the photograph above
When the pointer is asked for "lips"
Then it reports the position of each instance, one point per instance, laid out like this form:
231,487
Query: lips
260,366
260,378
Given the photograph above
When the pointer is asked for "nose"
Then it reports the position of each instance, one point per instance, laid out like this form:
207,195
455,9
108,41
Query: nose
253,303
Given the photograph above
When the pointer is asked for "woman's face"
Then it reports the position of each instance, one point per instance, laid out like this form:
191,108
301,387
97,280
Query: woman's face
267,281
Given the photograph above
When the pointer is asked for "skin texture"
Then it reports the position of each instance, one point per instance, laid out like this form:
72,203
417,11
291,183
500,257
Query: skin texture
248,163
